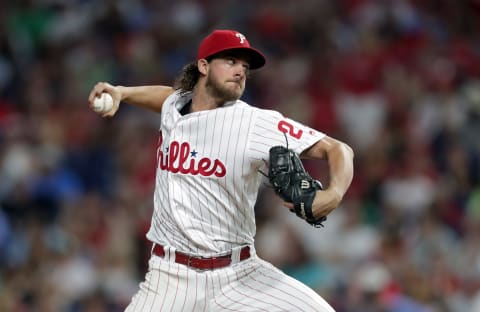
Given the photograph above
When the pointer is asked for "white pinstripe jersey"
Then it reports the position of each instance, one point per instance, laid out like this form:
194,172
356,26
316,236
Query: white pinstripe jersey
207,172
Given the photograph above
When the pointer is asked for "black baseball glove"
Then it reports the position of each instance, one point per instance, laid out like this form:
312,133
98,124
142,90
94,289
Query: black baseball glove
293,184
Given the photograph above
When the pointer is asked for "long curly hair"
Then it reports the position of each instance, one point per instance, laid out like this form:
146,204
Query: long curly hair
188,78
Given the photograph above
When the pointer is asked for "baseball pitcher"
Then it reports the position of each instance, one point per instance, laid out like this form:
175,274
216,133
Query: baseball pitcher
211,153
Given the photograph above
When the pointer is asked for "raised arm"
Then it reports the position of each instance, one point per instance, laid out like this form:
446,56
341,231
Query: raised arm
148,97
340,161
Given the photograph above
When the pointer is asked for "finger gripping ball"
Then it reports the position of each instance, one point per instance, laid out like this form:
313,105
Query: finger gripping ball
103,104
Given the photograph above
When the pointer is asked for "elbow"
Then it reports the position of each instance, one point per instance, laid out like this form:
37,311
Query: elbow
348,150
344,149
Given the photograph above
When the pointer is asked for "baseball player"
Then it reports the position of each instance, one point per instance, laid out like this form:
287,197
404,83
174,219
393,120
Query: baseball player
211,147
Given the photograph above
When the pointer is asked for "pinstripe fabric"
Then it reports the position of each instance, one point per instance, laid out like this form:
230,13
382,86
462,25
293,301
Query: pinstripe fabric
206,187
207,177
251,285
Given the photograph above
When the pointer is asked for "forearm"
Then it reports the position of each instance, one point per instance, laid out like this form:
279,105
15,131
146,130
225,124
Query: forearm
148,97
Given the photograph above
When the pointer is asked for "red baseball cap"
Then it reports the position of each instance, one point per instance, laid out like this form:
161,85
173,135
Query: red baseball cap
223,40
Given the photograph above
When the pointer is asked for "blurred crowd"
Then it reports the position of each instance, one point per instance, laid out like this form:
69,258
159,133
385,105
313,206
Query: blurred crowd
398,80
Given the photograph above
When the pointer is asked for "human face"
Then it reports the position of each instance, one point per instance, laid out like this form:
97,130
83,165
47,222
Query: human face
226,77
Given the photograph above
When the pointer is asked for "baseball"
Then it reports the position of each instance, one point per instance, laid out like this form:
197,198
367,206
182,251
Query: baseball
103,104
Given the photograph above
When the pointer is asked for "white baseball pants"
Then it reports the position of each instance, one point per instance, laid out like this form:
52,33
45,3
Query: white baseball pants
250,285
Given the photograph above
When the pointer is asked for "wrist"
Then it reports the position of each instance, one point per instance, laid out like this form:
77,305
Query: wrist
121,91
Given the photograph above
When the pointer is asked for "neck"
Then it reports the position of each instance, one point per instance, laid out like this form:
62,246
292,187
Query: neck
203,101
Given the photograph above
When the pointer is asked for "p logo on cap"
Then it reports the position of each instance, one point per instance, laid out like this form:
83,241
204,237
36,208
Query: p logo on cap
224,40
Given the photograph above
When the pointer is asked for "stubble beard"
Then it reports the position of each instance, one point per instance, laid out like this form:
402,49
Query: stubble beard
221,92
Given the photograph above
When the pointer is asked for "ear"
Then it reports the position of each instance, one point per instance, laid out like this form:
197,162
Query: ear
202,65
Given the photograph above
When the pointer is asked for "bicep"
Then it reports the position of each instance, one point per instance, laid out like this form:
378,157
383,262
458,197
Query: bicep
320,149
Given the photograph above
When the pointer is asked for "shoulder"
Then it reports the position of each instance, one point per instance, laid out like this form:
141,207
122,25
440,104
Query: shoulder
177,99
239,104
263,118
179,95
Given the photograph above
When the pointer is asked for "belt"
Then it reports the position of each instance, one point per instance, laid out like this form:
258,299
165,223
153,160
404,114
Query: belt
200,262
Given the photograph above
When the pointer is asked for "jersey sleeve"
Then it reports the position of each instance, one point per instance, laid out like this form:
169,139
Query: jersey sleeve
270,128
